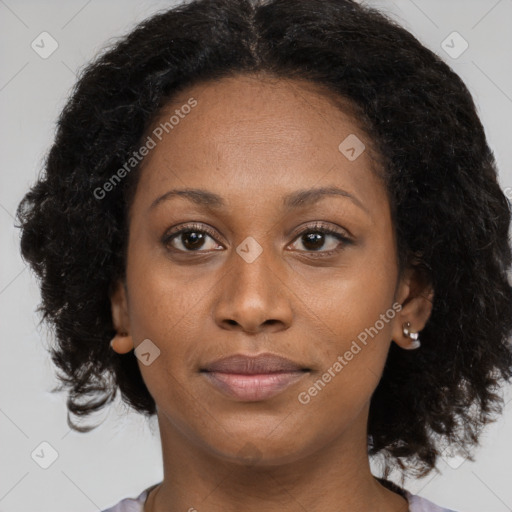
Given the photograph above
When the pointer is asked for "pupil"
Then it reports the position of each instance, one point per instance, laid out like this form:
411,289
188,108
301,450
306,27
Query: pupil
196,239
314,239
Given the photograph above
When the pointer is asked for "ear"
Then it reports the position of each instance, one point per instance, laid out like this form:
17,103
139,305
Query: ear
416,296
122,341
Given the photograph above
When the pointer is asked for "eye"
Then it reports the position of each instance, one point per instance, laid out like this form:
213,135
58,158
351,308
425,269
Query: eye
194,238
313,238
191,238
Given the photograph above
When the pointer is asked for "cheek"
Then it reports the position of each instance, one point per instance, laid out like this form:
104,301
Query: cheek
354,314
349,299
162,297
164,309
352,356
168,305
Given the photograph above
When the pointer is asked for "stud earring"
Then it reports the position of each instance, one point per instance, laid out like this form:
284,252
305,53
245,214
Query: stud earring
415,343
122,343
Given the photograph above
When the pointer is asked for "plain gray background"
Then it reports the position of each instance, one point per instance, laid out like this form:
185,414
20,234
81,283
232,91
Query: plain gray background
122,457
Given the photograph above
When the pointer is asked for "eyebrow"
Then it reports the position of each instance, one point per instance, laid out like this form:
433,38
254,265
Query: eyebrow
294,200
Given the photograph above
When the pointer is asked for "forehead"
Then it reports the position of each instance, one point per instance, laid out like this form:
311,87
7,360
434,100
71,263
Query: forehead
254,133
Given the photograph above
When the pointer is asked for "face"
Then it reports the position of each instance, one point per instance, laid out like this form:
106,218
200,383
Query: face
286,246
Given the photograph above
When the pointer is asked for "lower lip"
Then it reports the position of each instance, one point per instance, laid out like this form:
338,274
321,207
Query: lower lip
253,388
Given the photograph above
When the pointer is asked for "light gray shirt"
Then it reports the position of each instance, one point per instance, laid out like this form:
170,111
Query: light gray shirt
416,503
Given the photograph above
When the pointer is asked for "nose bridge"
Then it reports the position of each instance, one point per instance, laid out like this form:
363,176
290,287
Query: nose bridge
252,295
254,268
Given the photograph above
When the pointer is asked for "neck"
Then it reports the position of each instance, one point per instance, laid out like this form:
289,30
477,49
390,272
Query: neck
335,478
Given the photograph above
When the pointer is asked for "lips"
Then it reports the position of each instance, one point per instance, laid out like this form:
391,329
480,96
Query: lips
253,378
253,365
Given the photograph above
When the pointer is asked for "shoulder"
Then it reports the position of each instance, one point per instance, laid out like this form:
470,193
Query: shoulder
419,504
135,504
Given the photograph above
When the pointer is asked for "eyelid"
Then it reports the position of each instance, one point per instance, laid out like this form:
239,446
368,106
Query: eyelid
193,226
322,226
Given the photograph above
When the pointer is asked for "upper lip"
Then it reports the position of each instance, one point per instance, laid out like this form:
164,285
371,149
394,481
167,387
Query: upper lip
252,365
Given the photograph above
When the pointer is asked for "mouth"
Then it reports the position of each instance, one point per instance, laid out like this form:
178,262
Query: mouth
253,388
253,378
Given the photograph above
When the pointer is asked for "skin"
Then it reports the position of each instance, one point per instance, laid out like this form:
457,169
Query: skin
252,140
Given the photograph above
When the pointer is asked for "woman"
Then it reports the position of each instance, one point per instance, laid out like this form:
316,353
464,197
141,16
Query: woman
277,226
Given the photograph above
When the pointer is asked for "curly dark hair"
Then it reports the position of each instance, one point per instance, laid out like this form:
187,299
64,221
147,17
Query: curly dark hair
450,215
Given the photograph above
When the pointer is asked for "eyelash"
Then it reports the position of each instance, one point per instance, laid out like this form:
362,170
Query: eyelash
318,227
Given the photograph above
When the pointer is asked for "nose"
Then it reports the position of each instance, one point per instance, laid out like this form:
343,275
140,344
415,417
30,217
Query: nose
254,296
